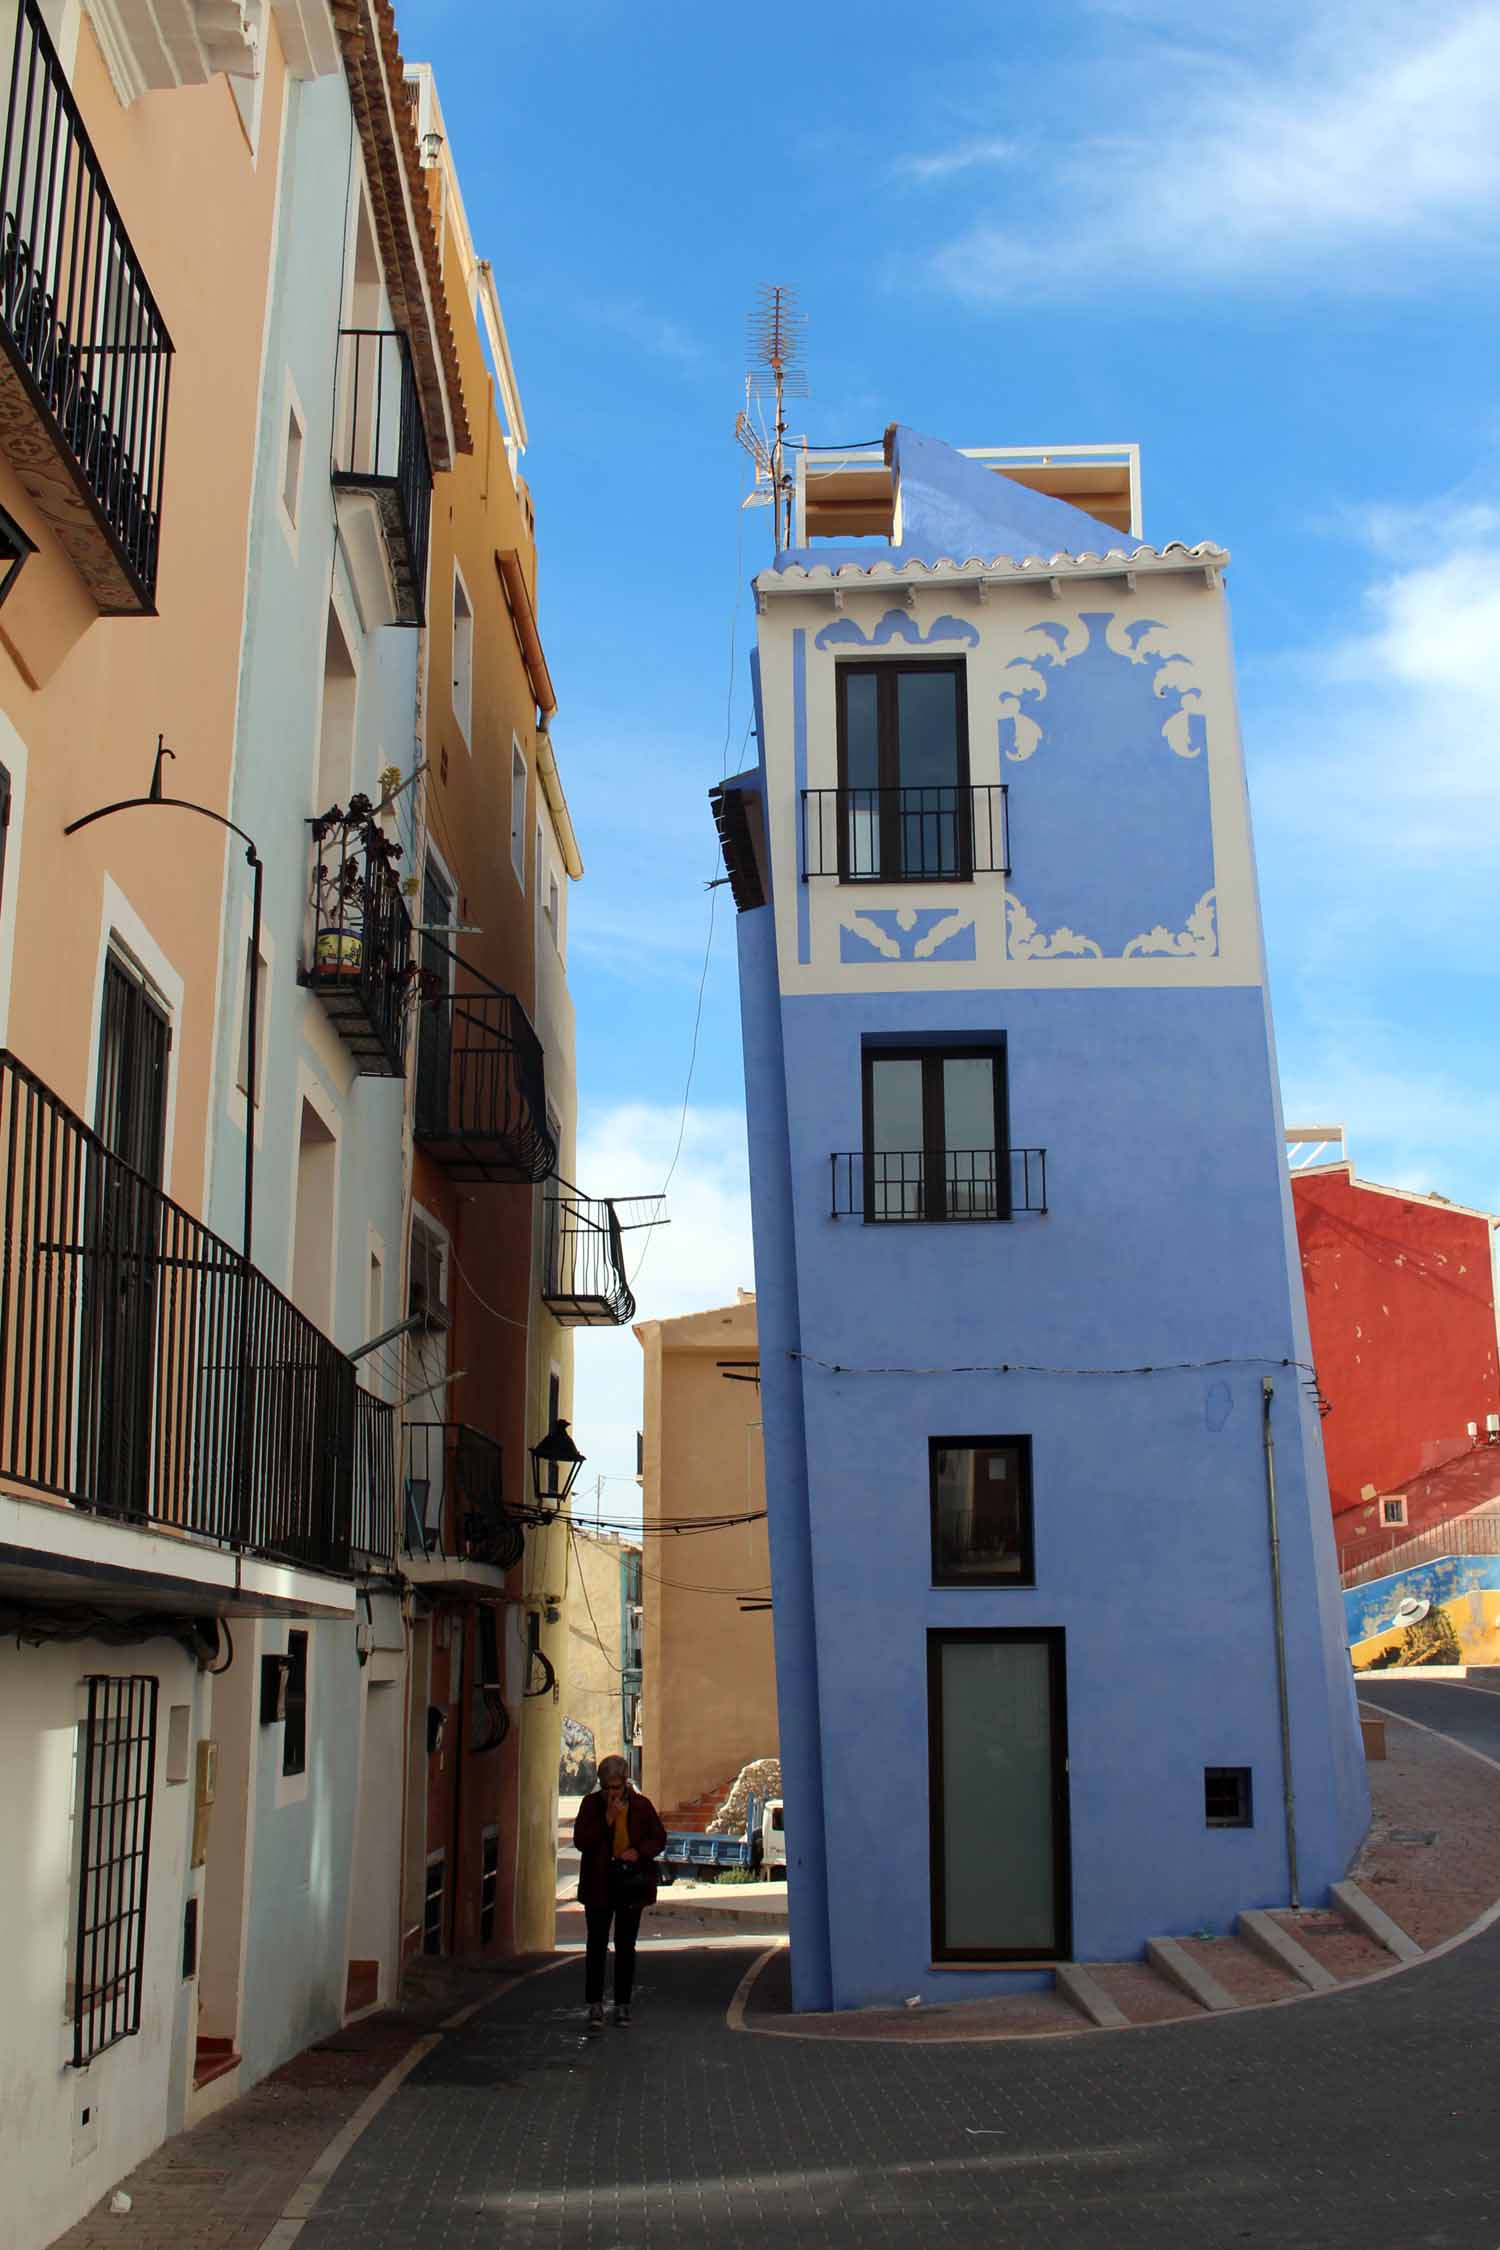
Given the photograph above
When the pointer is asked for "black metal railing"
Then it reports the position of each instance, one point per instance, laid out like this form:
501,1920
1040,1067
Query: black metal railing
76,314
373,1522
149,1374
380,446
359,958
481,1106
455,1497
939,833
955,1183
584,1283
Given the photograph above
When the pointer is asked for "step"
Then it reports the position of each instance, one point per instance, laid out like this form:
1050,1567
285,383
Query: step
1139,1993
1266,1936
1246,1974
1346,1953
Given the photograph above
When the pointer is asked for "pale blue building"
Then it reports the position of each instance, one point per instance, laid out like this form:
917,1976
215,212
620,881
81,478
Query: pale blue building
303,1883
1033,1346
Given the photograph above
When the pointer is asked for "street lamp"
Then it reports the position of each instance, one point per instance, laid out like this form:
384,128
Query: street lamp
555,1463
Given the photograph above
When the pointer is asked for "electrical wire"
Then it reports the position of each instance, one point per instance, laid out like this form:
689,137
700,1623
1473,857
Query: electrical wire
618,1669
1024,1367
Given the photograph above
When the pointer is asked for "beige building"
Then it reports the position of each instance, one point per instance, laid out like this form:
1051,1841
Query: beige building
601,1684
710,1682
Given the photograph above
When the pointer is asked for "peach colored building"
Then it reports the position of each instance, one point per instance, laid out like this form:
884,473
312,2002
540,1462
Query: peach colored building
708,1680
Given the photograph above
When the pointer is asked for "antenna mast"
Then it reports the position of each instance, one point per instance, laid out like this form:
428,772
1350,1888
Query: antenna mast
776,331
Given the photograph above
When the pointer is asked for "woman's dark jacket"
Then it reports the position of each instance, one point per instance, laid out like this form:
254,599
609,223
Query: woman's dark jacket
594,1841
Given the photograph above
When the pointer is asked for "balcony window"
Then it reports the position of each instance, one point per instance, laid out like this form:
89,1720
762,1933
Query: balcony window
905,812
981,1511
934,1134
381,464
359,938
85,358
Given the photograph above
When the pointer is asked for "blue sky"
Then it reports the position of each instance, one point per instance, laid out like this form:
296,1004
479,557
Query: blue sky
1260,241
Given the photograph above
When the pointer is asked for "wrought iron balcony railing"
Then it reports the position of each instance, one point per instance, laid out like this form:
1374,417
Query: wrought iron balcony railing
86,360
940,833
359,938
481,1108
584,1283
455,1506
148,1373
956,1183
380,447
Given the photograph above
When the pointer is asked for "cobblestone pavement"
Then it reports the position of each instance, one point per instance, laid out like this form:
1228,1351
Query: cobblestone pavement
1355,2120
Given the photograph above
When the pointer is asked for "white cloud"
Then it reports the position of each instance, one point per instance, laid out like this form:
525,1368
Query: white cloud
964,156
1350,150
697,1261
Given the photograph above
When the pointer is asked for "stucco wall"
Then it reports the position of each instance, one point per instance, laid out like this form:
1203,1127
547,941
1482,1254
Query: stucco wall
591,1698
1401,1300
53,2165
709,1690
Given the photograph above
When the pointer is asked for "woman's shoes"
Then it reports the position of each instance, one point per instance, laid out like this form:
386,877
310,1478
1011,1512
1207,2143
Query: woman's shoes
596,2015
622,2017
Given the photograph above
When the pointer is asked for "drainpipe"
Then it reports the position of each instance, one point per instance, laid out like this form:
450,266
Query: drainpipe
1267,1393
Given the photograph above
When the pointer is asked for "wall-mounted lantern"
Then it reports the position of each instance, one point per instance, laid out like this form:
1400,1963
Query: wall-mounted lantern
555,1463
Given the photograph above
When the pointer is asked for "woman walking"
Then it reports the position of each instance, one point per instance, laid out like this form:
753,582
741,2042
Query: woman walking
617,1835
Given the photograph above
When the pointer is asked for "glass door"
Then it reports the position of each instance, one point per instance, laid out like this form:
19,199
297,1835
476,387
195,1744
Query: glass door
122,1266
1001,1882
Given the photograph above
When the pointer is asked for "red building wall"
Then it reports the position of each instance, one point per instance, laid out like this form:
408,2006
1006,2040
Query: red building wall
1401,1300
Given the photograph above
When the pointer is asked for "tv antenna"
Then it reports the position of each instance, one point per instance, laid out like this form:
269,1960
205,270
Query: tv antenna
776,371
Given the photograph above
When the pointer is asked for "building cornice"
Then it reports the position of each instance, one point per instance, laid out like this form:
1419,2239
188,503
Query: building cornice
982,578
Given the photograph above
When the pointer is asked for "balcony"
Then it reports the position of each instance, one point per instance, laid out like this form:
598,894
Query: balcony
481,1108
455,1509
940,833
359,941
86,359
584,1284
382,475
150,1376
960,1184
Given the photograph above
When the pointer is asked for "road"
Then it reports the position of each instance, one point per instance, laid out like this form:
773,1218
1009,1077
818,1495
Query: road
1470,1714
1361,2119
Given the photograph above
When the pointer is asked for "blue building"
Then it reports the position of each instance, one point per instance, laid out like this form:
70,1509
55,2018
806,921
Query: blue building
1052,1570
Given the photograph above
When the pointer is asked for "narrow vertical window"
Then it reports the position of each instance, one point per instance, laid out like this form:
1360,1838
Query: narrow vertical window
294,1731
291,466
903,753
262,999
936,1135
116,1770
518,812
463,656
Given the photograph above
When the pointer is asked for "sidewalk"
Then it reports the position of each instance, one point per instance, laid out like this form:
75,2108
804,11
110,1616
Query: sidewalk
228,2183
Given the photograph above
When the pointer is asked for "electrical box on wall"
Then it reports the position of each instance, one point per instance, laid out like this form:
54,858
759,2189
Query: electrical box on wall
203,1798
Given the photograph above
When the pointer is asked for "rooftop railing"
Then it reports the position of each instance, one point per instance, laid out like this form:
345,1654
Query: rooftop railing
82,332
148,1373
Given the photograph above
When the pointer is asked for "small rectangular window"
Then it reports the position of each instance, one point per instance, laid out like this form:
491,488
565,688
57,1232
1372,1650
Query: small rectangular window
116,1768
518,812
903,756
291,465
935,1134
463,656
1226,1797
981,1511
1393,1508
294,1732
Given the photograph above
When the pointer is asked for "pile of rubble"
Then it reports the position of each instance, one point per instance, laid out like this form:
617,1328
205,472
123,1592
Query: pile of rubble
761,1778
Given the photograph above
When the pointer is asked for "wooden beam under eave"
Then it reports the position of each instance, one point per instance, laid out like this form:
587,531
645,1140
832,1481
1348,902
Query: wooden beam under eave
523,621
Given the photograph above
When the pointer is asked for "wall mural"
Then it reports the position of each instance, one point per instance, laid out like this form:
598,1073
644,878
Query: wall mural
897,625
1103,740
908,933
578,1769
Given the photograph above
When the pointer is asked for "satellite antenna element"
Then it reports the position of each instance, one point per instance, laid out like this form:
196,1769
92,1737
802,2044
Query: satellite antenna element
776,331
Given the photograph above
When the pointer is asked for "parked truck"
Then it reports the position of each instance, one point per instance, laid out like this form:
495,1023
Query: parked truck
761,1848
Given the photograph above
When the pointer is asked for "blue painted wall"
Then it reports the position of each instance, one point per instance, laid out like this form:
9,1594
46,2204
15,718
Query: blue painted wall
299,1881
1371,1608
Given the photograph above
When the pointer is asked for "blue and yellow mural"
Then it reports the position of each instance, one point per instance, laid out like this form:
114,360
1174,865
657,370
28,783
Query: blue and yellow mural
1464,1589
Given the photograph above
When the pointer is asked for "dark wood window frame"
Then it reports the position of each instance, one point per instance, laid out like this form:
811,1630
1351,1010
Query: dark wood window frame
294,1726
886,671
1055,1638
1026,1576
934,1132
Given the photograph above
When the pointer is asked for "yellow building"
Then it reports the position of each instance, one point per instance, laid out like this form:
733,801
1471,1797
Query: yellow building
709,1683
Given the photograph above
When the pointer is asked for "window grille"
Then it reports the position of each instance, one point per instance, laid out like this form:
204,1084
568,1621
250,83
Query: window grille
489,1880
118,1761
